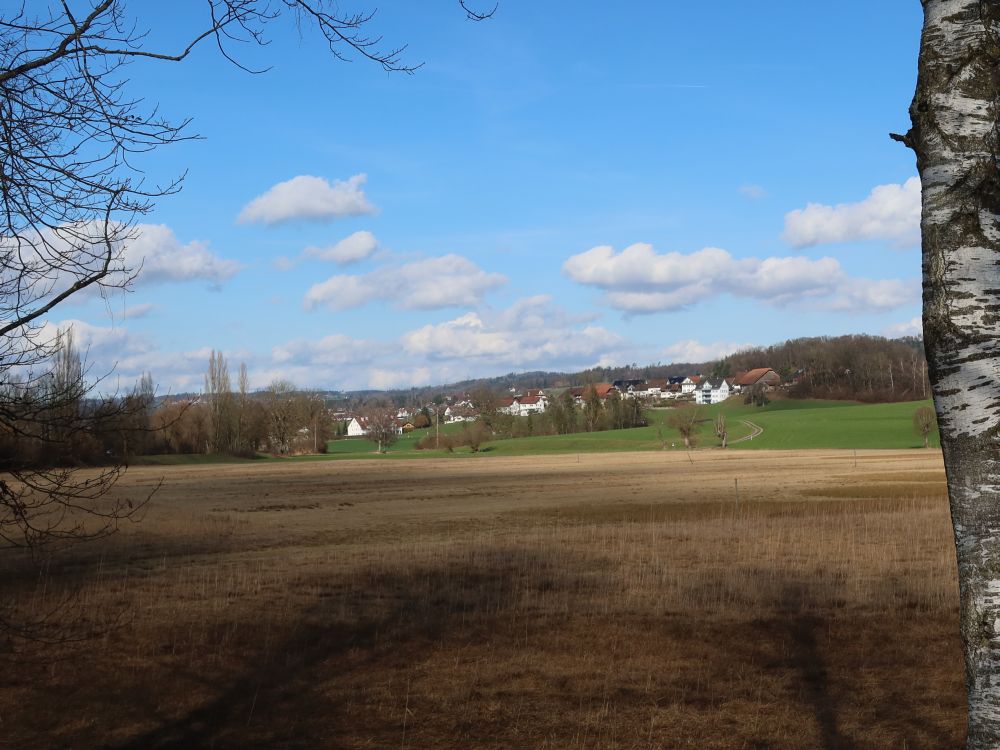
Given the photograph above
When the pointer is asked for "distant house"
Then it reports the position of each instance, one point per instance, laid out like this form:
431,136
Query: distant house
522,406
690,383
763,376
579,393
624,385
713,391
530,405
461,414
657,388
358,427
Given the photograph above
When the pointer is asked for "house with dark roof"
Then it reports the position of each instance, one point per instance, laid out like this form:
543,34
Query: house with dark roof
712,391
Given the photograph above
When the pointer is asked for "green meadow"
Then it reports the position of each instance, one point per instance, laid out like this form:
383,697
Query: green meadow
787,425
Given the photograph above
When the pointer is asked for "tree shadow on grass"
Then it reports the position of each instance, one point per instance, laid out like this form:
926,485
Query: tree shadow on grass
300,692
280,701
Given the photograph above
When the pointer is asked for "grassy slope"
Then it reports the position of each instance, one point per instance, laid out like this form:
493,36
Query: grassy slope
831,424
787,424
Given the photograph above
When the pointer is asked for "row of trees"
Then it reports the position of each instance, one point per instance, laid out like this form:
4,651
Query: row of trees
562,416
241,422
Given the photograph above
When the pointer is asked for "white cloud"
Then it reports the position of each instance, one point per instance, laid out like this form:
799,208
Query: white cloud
890,212
334,350
139,311
53,261
753,192
695,351
863,295
911,327
639,280
351,249
382,379
446,281
308,197
531,333
160,258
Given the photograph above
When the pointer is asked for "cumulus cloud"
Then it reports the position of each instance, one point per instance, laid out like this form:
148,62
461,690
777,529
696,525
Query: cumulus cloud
911,327
445,281
532,332
57,258
308,197
639,280
160,258
333,350
695,351
351,249
890,212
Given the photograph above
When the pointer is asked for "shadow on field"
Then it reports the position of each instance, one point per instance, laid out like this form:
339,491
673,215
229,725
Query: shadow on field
336,677
279,700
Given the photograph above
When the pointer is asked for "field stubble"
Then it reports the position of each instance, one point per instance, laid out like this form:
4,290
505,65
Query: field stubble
615,602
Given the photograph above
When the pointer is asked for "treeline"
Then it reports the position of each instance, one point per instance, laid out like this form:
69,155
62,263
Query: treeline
562,416
856,367
52,419
47,418
524,380
278,419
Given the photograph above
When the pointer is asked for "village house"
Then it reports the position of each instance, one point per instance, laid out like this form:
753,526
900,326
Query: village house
761,376
358,427
713,391
690,384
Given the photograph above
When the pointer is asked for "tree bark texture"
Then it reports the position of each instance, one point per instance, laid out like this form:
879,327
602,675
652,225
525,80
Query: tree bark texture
954,134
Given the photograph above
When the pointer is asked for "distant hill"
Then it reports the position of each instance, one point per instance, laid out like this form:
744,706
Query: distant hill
856,367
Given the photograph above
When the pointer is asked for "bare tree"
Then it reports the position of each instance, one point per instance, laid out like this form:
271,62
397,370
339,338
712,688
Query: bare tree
72,188
954,132
721,431
283,414
219,401
924,420
685,420
381,426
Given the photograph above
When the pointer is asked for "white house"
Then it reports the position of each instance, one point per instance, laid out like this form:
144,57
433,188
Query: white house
357,427
690,384
713,391
529,405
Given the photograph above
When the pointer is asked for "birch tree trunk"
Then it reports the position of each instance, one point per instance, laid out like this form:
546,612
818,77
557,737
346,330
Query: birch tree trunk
954,134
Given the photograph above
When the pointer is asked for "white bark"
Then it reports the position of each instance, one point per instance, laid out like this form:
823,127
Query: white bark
954,134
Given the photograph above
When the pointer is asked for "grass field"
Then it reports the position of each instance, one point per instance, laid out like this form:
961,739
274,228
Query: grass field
619,601
787,424
831,424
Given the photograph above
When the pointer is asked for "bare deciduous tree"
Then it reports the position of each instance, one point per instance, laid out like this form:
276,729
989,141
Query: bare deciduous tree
72,187
381,426
923,423
685,420
721,431
954,132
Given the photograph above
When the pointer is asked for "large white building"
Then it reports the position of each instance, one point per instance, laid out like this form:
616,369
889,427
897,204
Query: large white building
712,391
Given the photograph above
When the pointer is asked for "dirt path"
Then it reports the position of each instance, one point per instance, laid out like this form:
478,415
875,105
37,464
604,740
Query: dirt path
755,430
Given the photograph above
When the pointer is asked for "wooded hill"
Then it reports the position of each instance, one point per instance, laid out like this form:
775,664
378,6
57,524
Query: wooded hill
856,367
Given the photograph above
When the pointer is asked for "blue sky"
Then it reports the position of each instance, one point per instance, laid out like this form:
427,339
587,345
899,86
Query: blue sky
557,187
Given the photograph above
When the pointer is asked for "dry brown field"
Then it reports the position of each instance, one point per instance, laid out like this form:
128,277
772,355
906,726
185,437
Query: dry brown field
602,601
